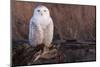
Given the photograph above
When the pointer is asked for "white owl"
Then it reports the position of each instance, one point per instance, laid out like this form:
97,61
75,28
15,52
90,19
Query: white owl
41,27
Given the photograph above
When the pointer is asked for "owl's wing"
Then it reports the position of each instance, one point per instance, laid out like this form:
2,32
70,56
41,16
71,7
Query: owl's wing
35,34
48,36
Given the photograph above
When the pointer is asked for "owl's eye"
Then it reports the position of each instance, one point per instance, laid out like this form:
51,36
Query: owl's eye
38,10
44,10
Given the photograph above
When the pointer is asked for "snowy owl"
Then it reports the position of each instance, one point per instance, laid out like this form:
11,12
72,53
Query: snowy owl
41,27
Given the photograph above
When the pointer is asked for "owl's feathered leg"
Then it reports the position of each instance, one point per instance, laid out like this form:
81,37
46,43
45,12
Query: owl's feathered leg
45,49
48,53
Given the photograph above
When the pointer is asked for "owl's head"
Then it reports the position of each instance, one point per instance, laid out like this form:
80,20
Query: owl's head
41,11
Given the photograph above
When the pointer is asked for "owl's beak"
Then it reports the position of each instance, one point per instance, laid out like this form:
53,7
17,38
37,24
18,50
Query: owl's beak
41,14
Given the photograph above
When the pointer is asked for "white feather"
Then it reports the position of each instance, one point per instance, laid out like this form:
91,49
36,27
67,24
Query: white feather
41,27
